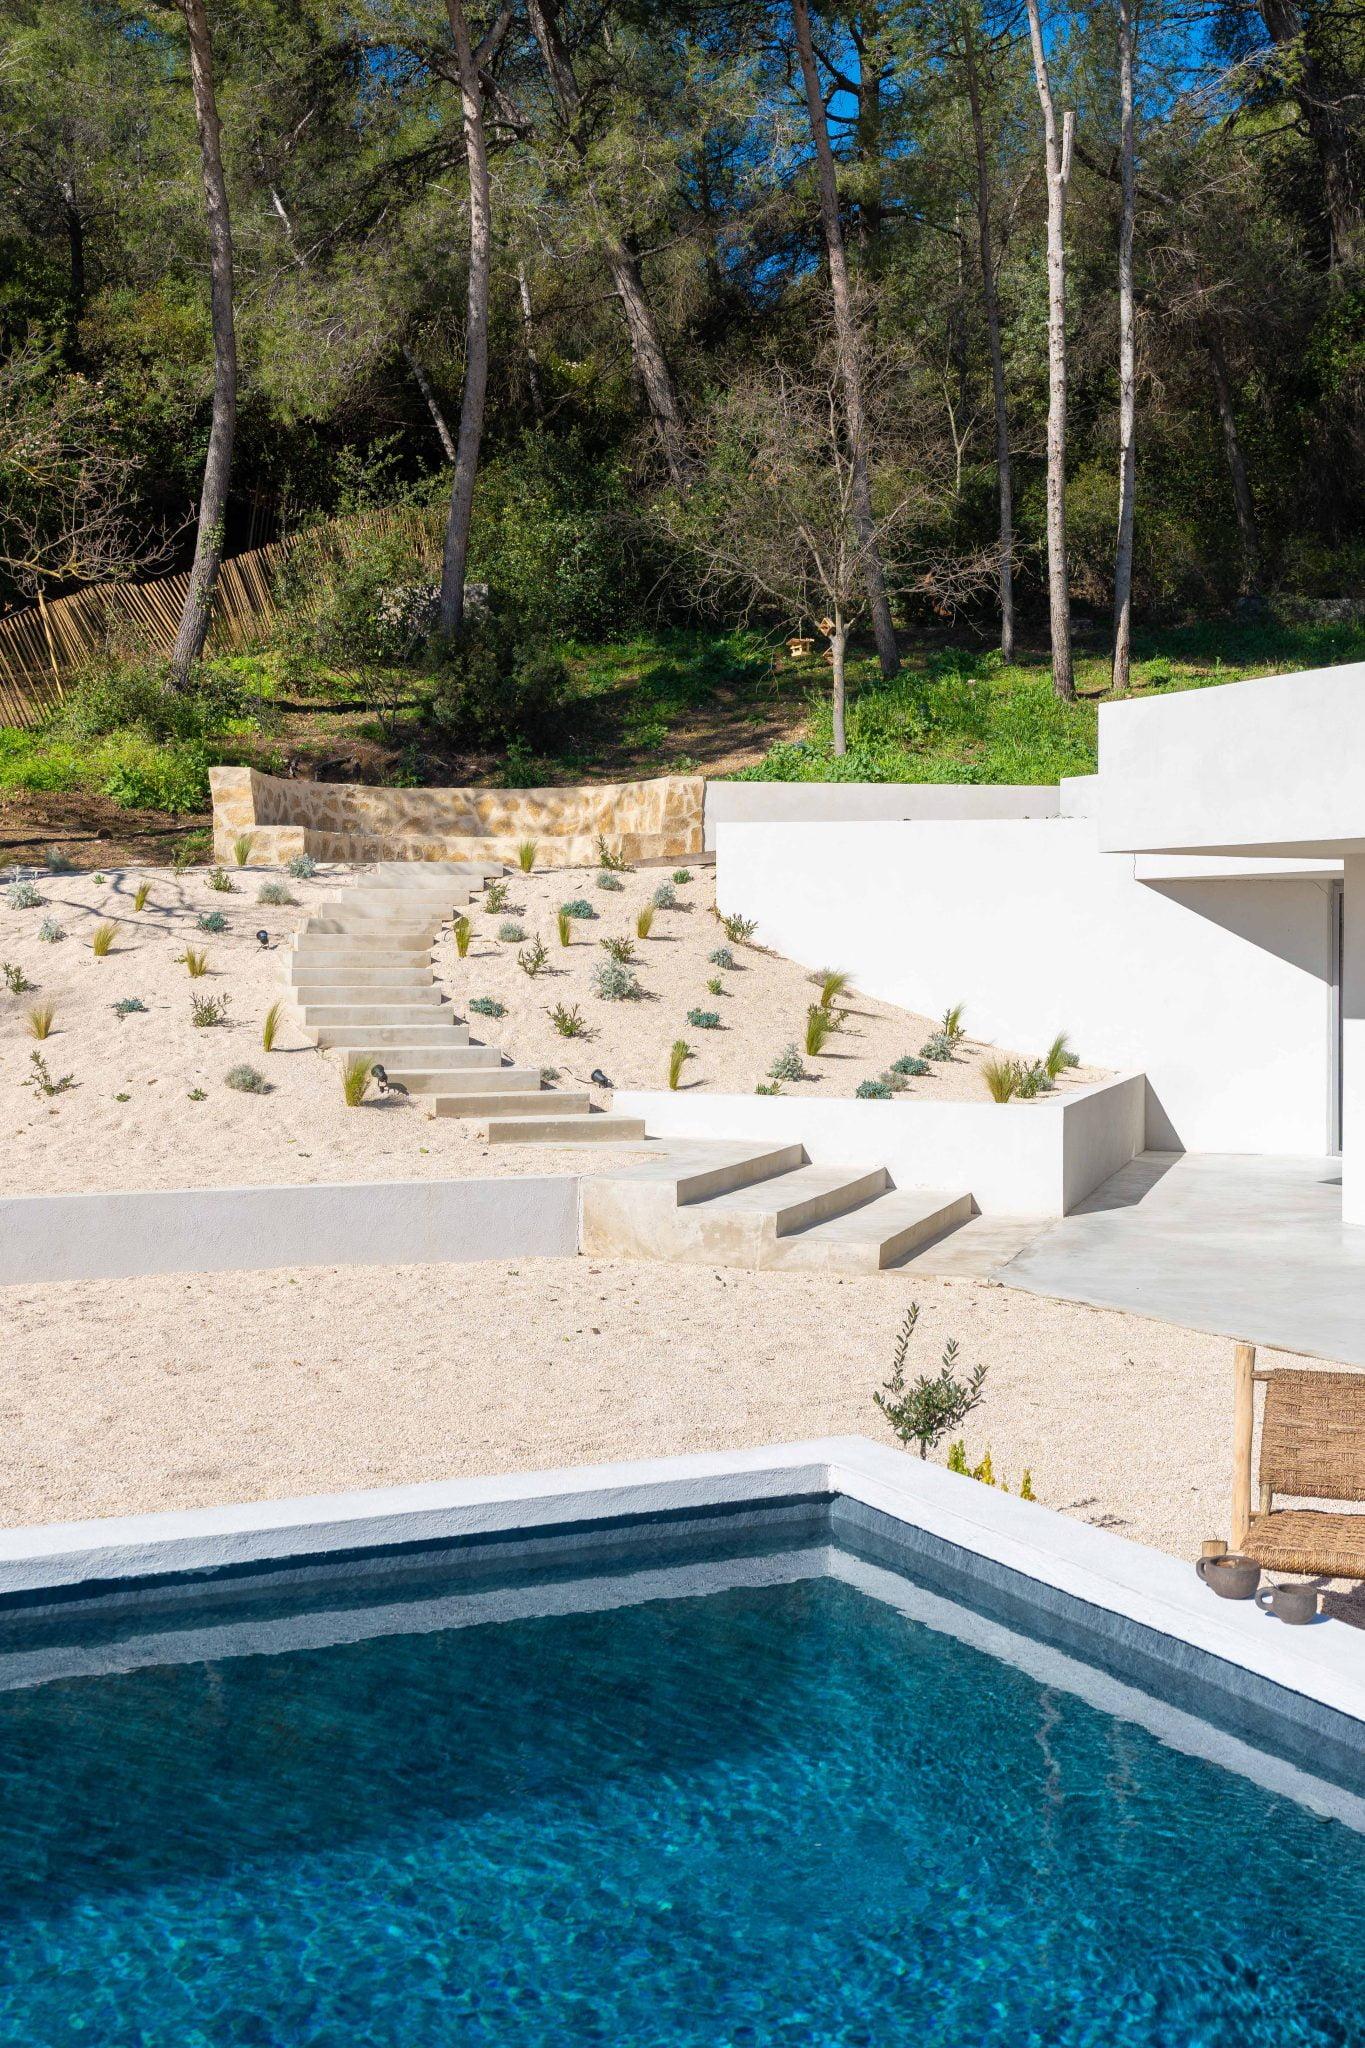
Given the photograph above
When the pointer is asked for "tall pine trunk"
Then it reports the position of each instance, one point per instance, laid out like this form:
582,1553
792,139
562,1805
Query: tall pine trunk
991,298
1058,155
646,345
197,612
1123,551
528,333
456,552
1250,580
846,337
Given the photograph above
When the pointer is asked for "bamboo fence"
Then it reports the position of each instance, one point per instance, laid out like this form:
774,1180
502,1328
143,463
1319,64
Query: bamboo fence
46,643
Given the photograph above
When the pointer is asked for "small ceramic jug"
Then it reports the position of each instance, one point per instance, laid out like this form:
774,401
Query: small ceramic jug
1232,1577
1295,1604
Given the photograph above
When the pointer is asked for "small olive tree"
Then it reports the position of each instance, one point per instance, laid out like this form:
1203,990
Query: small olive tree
772,519
925,1411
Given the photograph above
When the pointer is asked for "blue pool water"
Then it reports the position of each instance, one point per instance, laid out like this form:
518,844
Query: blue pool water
775,1814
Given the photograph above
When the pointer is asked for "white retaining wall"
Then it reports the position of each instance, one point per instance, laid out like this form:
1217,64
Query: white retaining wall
1219,990
795,803
209,1230
1016,1159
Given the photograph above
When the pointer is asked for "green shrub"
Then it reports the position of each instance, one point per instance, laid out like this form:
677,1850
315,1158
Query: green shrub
49,931
1059,1056
130,1006
526,855
682,875
579,906
607,880
936,1047
246,1080
533,959
355,1078
487,1006
568,1022
564,927
302,867
270,1026
715,986
611,859
39,1017
102,940
615,983
873,1091
788,1066
145,775
679,1053
665,897
622,950
555,534
1034,1079
218,878
496,685
910,1063
24,896
275,894
832,983
378,607
135,698
495,896
16,981
511,933
211,921
724,959
193,848
241,847
207,1011
739,930
703,1020
140,895
195,961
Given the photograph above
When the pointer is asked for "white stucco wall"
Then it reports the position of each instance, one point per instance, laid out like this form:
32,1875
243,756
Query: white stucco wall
1272,765
1015,1159
809,802
1218,989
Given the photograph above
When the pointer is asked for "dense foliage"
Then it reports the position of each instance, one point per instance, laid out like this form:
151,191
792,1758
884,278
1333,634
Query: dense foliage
688,157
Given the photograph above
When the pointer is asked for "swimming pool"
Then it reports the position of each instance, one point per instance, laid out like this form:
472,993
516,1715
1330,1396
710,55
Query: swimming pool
741,1784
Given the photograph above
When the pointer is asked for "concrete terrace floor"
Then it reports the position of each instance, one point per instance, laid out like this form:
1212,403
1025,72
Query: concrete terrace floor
1246,1247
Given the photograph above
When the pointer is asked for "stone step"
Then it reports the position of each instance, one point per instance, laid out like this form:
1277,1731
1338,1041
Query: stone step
636,1211
331,993
411,939
340,1010
794,1201
878,1234
412,1037
446,1064
305,971
604,1129
485,1104
375,952
417,871
423,1076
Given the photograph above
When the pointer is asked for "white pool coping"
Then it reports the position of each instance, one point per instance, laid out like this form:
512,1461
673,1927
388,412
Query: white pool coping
1324,1663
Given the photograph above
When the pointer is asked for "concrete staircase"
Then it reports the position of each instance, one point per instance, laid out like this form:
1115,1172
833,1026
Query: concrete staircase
737,1204
361,978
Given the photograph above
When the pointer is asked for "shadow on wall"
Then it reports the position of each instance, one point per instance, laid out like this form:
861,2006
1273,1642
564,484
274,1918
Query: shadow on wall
1253,910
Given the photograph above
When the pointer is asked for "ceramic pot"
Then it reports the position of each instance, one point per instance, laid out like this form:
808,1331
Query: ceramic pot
1232,1577
1294,1604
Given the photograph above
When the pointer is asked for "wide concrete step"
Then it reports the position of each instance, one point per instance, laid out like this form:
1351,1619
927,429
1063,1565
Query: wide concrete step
422,995
606,1129
396,939
353,974
442,1037
416,872
375,916
637,1211
434,1076
487,1104
375,952
879,1234
447,1065
340,1010
793,1201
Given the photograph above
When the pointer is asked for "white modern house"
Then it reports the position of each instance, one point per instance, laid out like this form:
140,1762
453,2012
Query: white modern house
1194,912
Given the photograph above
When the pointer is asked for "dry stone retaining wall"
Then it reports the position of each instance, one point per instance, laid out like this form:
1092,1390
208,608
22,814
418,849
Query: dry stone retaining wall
659,819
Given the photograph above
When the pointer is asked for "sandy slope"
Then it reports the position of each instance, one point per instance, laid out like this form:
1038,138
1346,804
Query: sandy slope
180,1391
130,1119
